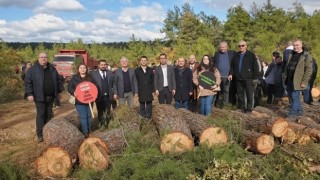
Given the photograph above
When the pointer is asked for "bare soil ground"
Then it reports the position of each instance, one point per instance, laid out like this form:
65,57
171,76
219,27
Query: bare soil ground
18,139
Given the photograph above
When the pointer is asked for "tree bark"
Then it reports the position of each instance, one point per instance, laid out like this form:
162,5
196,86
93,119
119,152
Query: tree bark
93,154
276,126
173,129
306,121
258,143
63,140
301,129
206,133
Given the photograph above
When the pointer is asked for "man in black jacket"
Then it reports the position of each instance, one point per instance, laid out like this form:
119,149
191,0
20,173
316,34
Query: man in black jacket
145,78
222,61
42,85
245,69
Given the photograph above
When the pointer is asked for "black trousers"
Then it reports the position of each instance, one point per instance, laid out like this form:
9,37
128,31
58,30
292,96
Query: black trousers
44,113
245,90
145,109
103,108
165,96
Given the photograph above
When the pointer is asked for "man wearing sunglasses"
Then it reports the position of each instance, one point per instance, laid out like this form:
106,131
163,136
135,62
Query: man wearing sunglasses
245,68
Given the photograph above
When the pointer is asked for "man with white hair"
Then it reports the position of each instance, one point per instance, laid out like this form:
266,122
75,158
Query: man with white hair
222,61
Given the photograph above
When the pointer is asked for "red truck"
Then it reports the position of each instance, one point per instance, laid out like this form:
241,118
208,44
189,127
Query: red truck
66,61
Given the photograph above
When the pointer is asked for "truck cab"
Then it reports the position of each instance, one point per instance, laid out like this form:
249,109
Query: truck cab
66,64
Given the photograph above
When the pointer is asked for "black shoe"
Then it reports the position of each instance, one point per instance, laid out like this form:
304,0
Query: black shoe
291,118
86,135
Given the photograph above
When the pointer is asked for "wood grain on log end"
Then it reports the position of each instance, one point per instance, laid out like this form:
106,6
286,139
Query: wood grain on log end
54,162
176,142
93,154
265,144
304,139
289,137
213,135
279,127
315,92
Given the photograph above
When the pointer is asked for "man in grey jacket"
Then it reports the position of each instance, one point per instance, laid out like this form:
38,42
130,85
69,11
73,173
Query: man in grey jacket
125,83
164,81
297,74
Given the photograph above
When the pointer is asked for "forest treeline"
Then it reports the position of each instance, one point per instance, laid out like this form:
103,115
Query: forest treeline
266,29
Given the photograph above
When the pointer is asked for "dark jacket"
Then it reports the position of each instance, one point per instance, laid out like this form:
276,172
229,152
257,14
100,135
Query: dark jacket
184,83
118,85
97,80
158,78
145,84
250,67
34,82
73,83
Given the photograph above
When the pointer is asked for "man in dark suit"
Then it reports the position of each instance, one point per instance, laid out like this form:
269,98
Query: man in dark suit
245,68
103,79
42,85
125,84
222,61
145,80
164,81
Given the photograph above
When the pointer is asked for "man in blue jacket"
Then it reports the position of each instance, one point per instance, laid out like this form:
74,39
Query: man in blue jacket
42,85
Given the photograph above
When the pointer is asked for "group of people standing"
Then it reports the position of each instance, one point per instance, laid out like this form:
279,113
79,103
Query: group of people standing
235,74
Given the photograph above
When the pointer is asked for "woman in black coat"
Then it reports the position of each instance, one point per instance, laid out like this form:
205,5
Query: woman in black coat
184,86
82,108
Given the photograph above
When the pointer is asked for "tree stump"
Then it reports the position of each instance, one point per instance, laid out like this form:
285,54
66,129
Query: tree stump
276,126
93,154
206,133
258,143
173,129
63,140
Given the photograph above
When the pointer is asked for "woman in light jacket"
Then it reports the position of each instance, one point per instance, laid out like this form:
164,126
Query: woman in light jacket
206,95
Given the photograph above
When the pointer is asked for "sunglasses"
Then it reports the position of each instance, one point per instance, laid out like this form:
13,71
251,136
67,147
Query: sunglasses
241,45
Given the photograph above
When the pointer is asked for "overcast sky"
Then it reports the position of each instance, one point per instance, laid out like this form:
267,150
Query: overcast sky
105,20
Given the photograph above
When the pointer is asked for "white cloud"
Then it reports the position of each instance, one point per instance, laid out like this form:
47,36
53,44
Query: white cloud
18,3
65,5
104,14
142,14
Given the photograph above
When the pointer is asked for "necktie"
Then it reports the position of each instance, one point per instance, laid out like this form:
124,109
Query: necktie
104,74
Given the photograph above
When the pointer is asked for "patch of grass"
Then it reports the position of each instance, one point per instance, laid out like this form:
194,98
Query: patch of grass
9,171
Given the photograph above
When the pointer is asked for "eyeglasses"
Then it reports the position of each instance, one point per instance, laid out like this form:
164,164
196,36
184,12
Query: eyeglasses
241,45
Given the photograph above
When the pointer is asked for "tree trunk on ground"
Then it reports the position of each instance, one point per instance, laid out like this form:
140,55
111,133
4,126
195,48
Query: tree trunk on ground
117,138
173,129
315,92
72,117
306,121
206,133
276,126
258,143
63,140
301,129
93,154
260,111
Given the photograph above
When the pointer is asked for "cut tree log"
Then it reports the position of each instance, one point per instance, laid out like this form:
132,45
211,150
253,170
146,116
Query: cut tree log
306,121
117,138
258,143
127,122
315,92
72,117
173,129
63,140
260,111
206,133
93,154
301,129
268,125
